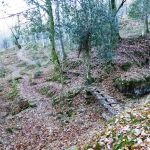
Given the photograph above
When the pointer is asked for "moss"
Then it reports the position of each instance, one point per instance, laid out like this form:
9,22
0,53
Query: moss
9,130
126,66
133,87
69,113
46,91
108,67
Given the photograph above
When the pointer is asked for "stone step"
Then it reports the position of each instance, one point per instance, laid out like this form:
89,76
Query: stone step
112,106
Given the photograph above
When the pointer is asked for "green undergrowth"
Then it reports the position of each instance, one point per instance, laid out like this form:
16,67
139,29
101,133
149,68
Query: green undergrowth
46,90
126,66
56,77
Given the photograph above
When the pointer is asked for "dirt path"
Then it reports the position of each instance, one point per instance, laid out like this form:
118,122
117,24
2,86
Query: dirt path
32,126
39,128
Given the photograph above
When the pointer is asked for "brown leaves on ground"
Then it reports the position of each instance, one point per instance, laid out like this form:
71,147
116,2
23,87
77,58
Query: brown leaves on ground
129,130
46,127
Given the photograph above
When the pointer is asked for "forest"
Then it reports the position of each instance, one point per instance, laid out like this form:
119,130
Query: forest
75,75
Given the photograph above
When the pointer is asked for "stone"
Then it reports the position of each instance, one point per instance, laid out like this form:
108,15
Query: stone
137,132
134,84
82,110
18,127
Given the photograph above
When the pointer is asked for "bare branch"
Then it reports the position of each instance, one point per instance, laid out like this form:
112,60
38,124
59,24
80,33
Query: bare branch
120,6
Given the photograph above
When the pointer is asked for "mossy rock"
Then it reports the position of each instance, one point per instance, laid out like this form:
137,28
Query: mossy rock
133,86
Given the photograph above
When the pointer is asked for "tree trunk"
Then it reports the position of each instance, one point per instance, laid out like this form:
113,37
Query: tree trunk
146,24
60,32
87,58
52,32
146,9
113,10
113,5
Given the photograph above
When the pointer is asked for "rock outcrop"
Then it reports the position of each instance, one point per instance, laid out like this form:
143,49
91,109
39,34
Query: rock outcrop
135,83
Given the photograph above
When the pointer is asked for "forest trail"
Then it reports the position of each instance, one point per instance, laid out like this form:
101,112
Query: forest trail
44,126
38,123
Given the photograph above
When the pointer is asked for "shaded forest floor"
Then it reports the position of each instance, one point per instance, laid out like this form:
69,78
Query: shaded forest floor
31,115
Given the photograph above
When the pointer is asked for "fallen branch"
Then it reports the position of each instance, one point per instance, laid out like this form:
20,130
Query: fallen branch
121,5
